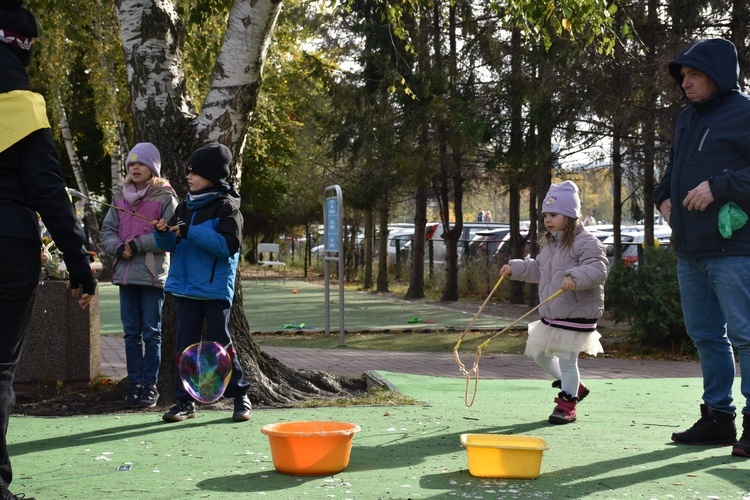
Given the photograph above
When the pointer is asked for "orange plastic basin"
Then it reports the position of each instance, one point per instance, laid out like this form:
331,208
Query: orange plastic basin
310,448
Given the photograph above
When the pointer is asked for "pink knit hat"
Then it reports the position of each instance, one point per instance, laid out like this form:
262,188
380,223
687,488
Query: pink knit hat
563,199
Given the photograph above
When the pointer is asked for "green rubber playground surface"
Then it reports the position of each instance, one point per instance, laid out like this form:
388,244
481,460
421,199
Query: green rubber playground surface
618,448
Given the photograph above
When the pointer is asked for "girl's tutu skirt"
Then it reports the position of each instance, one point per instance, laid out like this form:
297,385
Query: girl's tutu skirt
549,341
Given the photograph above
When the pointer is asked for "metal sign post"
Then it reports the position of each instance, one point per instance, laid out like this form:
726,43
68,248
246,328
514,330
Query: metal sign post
333,223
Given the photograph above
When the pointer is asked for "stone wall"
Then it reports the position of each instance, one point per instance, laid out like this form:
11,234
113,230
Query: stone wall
64,341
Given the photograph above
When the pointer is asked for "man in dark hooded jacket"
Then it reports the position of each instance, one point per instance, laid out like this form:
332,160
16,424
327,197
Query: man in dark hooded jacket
705,196
30,183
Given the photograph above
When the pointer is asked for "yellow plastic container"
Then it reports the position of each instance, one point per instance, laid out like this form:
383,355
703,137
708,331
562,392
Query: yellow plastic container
500,456
310,448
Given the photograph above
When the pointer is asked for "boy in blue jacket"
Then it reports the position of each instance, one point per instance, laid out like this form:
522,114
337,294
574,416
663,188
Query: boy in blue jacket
204,237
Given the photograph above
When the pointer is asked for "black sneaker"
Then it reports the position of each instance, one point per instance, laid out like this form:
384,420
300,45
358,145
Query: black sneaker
243,409
132,395
181,411
714,427
149,397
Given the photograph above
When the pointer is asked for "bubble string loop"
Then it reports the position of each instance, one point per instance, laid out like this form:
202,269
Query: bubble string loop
475,368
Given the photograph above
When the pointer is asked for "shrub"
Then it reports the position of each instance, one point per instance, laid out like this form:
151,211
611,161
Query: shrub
648,296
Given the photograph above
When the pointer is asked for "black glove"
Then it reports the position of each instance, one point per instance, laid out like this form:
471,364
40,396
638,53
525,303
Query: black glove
183,228
83,280
133,247
120,250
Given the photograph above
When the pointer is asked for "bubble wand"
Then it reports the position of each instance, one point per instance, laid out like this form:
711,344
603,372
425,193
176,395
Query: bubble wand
475,368
79,194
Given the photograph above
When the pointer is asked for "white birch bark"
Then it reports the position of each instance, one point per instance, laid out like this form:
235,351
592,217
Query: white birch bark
153,37
238,71
117,159
88,210
67,136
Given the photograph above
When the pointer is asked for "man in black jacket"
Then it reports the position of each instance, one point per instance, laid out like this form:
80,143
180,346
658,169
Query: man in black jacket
30,183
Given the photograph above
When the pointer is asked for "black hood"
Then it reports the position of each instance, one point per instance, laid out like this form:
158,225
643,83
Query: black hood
12,73
715,57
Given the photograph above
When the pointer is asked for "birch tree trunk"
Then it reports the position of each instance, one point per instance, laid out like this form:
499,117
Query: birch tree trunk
153,38
117,159
92,225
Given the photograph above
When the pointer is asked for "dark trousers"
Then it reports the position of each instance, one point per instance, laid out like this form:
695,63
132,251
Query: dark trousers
191,314
20,264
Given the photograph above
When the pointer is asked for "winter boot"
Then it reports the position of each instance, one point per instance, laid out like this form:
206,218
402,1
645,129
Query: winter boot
714,427
565,411
583,391
742,447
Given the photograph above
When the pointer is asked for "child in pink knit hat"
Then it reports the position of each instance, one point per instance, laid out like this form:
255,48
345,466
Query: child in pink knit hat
574,261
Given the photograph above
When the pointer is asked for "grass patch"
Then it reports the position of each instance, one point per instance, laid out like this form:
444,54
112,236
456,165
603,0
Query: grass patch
512,342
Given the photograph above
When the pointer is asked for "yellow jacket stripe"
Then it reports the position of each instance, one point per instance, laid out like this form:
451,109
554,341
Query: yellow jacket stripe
21,113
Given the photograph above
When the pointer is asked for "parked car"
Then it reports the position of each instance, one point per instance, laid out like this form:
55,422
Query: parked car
406,248
485,243
502,254
470,229
632,240
601,231
398,239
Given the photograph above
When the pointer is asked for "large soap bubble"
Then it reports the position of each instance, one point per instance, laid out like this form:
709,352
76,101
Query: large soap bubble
205,369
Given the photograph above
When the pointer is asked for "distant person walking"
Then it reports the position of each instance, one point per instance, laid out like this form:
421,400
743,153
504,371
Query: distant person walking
140,268
706,184
30,183
589,220
487,216
574,260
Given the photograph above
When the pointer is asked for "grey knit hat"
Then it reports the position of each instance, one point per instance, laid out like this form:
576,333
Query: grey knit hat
563,199
146,153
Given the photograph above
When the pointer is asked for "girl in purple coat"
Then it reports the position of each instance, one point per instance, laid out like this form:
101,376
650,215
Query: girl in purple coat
575,261
140,267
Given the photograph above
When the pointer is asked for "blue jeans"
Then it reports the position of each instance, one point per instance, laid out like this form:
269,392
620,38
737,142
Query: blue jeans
716,307
140,313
